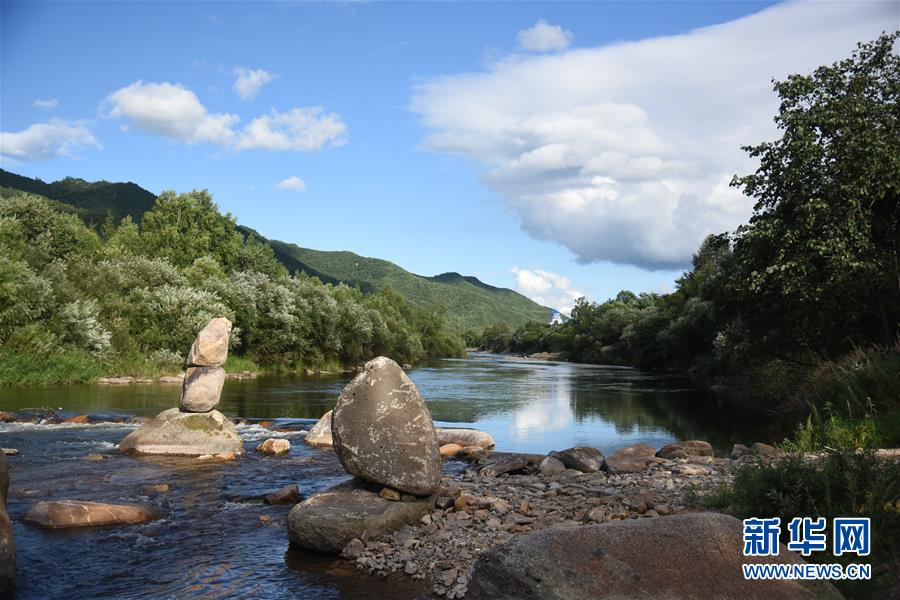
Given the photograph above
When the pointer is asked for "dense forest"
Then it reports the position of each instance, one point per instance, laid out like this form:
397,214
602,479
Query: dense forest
78,302
802,304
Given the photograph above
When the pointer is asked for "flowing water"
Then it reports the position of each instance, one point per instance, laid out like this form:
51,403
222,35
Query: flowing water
211,542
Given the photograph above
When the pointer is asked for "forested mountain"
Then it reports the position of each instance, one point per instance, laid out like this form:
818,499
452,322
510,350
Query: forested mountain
469,303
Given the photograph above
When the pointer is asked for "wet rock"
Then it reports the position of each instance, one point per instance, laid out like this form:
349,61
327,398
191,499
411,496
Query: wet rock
581,458
210,348
78,420
7,544
471,453
551,466
320,434
329,520
765,450
700,558
684,449
464,437
9,451
79,513
177,433
202,389
630,459
449,450
289,494
739,450
274,446
383,431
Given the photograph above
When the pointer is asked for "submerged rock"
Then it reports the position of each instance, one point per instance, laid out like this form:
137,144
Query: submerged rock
79,513
202,388
684,449
696,555
210,348
177,433
289,494
320,434
7,544
581,458
630,459
329,520
383,431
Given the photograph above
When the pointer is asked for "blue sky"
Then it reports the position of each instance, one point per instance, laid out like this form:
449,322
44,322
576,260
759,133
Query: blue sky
556,148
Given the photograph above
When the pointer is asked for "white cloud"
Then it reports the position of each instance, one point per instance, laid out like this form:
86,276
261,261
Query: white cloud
292,183
46,140
298,129
543,37
546,288
249,81
47,104
171,111
623,153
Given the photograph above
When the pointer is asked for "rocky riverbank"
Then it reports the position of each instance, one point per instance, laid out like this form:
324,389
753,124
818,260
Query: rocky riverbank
478,511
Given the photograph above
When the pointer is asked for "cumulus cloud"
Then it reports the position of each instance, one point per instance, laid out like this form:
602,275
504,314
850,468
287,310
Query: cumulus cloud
543,37
623,153
293,183
298,129
47,104
249,81
175,112
46,140
546,288
172,111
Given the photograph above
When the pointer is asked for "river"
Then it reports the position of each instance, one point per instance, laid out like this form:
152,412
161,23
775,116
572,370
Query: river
211,542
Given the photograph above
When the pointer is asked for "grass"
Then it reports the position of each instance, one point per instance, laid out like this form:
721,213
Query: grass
842,484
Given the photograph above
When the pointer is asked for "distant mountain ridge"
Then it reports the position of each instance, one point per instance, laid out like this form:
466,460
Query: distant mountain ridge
469,302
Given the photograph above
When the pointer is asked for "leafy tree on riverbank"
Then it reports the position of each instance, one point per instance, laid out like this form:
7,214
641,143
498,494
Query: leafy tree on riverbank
131,300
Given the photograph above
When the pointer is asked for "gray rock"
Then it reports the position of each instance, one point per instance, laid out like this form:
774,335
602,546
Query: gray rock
498,463
320,434
739,450
630,459
551,466
685,448
80,513
330,520
695,556
383,432
210,348
765,450
202,388
580,458
7,543
177,433
464,437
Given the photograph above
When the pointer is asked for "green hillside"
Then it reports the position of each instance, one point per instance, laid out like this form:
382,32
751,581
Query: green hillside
92,200
469,302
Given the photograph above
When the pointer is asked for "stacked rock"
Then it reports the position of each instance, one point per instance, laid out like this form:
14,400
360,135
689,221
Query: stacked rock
205,375
195,428
382,434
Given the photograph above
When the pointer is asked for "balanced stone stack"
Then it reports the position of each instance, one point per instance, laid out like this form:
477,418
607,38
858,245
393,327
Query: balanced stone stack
195,428
382,434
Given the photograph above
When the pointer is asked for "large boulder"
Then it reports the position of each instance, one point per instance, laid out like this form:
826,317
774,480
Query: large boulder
202,388
327,521
320,434
686,448
630,459
177,433
464,437
80,513
581,458
692,556
210,348
383,432
7,544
